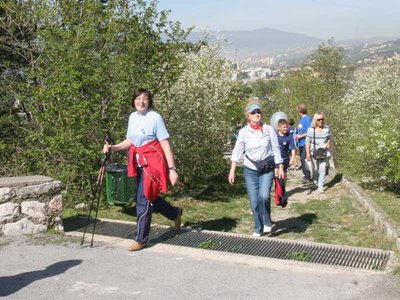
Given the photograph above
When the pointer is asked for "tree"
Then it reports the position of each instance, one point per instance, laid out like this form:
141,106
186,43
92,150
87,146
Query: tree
197,110
263,88
91,56
320,84
17,57
369,143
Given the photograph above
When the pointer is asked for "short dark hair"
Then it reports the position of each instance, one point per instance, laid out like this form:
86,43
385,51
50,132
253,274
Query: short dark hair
139,92
282,122
291,122
301,108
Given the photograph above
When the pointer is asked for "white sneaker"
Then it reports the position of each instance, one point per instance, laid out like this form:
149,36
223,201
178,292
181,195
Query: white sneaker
267,229
255,234
321,191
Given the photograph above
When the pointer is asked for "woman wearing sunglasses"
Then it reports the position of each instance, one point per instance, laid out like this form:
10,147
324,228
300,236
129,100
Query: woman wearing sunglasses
318,139
260,145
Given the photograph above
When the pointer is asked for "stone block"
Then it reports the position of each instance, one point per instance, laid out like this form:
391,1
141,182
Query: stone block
56,203
35,191
34,209
9,211
59,224
6,194
23,226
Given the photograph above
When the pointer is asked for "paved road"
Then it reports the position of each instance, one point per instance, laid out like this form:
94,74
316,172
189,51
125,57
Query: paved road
48,267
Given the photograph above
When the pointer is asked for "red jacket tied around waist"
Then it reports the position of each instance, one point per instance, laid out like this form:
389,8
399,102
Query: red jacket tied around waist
155,168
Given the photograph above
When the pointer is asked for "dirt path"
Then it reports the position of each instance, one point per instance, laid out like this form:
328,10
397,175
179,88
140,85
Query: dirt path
286,220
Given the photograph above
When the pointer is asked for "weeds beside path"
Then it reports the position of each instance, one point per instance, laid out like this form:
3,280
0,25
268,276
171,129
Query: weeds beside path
329,217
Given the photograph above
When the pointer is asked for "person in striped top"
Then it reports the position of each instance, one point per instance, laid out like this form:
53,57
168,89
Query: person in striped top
318,136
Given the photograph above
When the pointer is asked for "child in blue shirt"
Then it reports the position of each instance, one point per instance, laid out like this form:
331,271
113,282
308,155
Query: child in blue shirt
286,144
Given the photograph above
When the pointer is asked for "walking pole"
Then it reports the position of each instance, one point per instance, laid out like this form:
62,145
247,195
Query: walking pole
96,193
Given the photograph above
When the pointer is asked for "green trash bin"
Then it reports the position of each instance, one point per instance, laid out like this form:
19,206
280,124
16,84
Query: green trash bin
120,189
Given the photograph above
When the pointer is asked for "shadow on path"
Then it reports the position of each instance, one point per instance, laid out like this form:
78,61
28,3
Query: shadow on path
297,224
335,180
11,284
222,224
298,190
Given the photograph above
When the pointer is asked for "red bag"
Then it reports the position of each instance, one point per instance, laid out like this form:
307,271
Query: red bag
281,198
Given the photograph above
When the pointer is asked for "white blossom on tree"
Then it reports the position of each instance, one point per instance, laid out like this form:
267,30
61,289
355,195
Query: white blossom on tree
372,118
196,109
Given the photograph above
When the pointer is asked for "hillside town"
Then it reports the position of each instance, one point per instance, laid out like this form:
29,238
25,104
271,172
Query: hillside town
273,66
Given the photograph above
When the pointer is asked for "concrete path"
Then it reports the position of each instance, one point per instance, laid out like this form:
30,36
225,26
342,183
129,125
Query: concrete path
57,267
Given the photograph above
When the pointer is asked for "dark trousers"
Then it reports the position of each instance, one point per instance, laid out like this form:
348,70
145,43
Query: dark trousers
144,210
303,154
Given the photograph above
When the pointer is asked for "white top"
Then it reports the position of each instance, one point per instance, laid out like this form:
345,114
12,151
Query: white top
144,128
256,147
321,138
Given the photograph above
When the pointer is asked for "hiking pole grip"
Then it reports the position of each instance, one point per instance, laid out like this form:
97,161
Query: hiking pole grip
109,141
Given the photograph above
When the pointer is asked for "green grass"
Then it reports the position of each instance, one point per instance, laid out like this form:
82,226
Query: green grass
209,244
389,202
336,221
222,207
300,255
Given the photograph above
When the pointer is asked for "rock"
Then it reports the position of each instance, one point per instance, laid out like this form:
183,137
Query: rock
59,224
81,205
23,226
6,194
38,190
56,203
8,211
34,209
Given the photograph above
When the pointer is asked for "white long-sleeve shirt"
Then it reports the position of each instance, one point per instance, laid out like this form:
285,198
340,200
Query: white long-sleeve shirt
256,147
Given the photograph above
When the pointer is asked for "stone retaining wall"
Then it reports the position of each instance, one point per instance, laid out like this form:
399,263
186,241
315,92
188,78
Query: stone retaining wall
381,218
30,204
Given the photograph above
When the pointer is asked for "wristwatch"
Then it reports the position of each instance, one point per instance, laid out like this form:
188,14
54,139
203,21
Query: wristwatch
172,168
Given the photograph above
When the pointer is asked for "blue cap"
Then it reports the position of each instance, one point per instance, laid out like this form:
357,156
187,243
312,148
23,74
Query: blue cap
253,107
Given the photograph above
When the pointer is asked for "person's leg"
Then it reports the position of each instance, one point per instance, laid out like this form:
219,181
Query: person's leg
322,175
252,185
264,194
285,169
306,172
143,210
315,168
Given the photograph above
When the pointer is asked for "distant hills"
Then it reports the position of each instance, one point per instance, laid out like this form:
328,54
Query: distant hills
260,41
267,41
358,42
372,51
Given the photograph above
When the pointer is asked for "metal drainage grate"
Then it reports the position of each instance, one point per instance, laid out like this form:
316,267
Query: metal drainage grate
372,259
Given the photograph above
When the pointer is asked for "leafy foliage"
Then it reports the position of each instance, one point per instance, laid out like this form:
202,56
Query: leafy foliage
320,83
85,59
264,88
197,110
370,142
82,60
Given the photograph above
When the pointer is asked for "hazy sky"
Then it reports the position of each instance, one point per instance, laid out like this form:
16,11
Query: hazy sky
342,19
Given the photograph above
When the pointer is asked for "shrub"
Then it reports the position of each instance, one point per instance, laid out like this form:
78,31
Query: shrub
371,139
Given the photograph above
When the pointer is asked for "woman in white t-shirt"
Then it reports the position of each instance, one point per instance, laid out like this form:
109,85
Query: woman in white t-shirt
151,161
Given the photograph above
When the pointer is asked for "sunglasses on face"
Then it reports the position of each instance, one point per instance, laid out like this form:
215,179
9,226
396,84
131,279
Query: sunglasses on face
257,111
